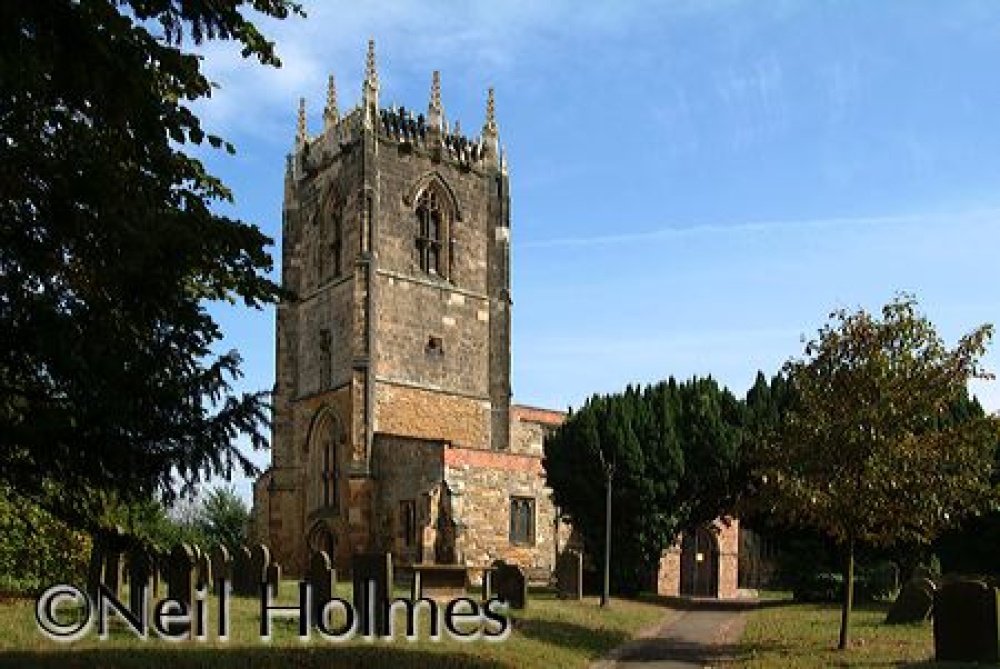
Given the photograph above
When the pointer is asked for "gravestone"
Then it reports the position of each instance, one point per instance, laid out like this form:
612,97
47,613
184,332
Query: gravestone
222,568
241,571
95,569
569,575
322,580
966,623
885,580
112,576
203,571
160,560
141,568
914,604
181,572
260,560
487,583
510,584
367,570
273,578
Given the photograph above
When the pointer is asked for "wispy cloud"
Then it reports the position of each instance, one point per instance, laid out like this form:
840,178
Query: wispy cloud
477,39
991,216
484,37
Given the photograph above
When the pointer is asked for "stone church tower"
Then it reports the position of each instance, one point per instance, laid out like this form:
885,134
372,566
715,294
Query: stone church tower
392,414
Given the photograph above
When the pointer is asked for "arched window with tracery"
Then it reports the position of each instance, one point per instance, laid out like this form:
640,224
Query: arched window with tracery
322,461
433,221
329,249
337,243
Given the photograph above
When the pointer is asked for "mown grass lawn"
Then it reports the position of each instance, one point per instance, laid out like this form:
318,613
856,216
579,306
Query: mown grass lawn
781,633
549,633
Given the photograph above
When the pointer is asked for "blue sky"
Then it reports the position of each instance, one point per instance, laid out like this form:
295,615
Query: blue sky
695,185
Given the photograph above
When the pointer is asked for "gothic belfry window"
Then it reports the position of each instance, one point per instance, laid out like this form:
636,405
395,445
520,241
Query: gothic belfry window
432,231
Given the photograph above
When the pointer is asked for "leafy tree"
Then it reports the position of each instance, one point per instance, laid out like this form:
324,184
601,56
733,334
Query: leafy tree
110,390
868,452
675,451
971,548
223,518
37,549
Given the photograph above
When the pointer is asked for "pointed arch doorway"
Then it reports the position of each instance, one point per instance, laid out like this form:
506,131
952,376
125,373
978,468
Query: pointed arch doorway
700,564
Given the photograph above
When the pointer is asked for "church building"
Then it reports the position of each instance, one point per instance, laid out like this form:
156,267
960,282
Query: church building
393,425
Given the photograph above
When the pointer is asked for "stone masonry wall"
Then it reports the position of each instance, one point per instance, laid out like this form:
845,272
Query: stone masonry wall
328,310
527,438
426,414
530,426
412,311
482,483
406,469
416,306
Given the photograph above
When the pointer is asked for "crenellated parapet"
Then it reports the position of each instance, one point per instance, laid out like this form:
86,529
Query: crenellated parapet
401,126
397,125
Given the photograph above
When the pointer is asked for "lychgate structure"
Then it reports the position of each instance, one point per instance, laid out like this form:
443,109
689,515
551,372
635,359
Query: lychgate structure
393,424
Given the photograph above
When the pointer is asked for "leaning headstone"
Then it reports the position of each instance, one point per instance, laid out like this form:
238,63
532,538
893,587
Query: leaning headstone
914,604
966,624
242,571
569,575
510,584
372,581
260,560
273,578
141,568
322,580
181,575
222,568
203,571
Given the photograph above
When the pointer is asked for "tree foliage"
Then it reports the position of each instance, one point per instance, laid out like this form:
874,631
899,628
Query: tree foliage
37,549
223,518
869,450
677,464
109,249
218,517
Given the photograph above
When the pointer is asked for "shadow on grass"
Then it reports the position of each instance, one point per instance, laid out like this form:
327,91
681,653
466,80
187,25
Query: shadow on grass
277,657
571,635
706,604
932,664
659,649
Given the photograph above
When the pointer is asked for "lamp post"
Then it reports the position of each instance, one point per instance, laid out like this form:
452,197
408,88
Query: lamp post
609,473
